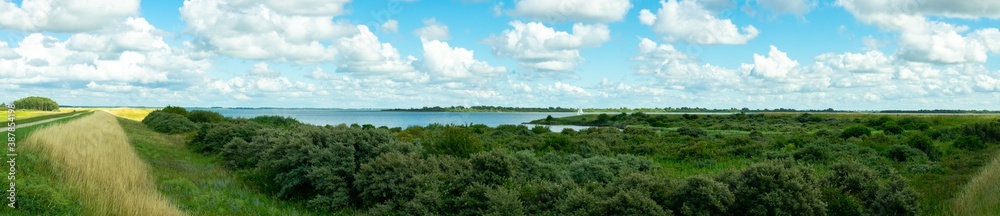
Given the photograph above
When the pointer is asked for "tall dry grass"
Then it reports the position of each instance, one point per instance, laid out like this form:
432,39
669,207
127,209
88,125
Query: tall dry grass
92,155
981,195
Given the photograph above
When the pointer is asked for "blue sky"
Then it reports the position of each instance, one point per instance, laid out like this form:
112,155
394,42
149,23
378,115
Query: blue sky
804,54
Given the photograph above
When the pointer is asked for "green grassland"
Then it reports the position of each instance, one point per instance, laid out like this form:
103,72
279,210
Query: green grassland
628,164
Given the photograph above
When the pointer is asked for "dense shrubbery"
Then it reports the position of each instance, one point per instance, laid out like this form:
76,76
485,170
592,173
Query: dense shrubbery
776,165
36,103
204,116
168,122
175,110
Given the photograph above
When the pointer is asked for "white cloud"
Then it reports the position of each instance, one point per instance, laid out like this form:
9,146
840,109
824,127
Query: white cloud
433,30
391,26
6,52
562,89
261,69
600,11
542,48
690,22
443,62
926,40
869,62
364,56
776,65
64,15
677,70
134,34
270,30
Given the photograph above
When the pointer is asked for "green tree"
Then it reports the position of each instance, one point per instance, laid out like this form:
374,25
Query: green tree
36,103
175,110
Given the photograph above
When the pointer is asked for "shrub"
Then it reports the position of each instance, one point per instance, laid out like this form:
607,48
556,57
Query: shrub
212,137
204,116
776,188
969,143
856,131
986,131
631,202
36,103
538,129
493,167
387,177
903,153
455,141
691,131
815,153
923,143
277,121
168,122
897,199
309,163
175,110
701,196
892,128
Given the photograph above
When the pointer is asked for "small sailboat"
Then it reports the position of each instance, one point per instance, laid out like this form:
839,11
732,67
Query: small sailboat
579,111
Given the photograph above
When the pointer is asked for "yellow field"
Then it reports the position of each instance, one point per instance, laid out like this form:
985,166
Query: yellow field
135,114
92,155
982,195
24,114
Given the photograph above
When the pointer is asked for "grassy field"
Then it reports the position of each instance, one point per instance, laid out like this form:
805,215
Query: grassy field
99,166
981,195
134,114
23,116
196,183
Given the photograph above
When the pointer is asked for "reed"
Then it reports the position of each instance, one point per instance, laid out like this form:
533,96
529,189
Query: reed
93,157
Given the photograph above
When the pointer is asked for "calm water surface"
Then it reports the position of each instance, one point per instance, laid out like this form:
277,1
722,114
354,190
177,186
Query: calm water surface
391,119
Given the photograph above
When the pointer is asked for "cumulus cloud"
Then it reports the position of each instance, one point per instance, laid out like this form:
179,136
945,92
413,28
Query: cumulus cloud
562,89
542,48
433,30
775,65
925,40
442,62
364,56
600,11
677,70
391,26
268,30
64,15
261,69
869,62
690,22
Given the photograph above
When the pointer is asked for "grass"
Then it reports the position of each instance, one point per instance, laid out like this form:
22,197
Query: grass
38,192
981,196
91,156
134,114
26,116
196,183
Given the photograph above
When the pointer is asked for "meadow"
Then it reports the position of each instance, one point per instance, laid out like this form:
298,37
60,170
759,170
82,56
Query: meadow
202,163
738,164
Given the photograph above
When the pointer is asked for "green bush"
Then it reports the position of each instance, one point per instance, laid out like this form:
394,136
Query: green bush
814,153
923,143
276,121
493,167
175,110
691,131
855,131
986,131
972,143
212,137
455,141
776,188
891,128
204,116
168,122
36,103
897,199
538,129
903,153
701,196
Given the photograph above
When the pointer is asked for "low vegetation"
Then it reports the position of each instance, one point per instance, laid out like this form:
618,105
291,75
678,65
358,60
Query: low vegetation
99,166
167,122
687,165
980,195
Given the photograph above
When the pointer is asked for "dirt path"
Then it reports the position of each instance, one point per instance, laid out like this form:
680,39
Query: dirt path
43,121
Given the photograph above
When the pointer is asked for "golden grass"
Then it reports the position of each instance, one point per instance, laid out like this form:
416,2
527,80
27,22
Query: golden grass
981,195
24,114
92,155
134,114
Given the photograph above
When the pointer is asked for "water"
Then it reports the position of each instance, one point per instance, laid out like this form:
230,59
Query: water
393,119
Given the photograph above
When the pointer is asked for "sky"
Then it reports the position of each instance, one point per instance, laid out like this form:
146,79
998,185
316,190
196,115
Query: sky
760,54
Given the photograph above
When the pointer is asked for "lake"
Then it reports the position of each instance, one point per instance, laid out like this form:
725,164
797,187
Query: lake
394,119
